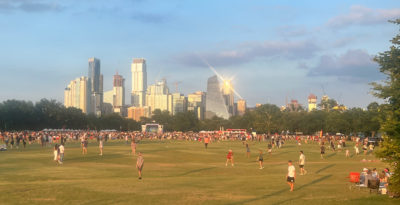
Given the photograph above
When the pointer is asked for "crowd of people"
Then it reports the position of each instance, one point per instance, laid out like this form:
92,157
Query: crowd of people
59,139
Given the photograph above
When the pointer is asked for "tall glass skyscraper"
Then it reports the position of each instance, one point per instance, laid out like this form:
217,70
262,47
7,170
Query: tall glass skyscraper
97,85
215,103
139,82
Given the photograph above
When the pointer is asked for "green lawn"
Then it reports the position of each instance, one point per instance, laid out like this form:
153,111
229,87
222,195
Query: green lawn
180,172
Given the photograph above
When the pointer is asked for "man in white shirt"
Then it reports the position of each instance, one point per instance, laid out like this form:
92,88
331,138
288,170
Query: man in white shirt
62,151
302,161
291,176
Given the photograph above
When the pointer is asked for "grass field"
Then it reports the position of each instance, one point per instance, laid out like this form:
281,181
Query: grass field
180,172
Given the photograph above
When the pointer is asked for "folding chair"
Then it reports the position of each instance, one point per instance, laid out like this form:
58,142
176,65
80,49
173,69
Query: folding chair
354,180
373,185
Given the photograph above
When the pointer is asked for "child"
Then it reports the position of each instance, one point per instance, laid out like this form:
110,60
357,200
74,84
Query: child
260,159
229,157
247,151
347,153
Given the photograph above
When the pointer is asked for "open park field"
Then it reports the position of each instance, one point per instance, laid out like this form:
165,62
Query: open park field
180,172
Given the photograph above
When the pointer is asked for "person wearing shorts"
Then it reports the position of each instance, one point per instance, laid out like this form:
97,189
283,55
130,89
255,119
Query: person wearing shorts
247,151
139,164
229,157
101,146
302,162
206,141
291,176
322,151
260,159
84,144
269,149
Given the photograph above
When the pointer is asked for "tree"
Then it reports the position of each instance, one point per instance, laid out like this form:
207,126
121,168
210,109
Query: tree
389,64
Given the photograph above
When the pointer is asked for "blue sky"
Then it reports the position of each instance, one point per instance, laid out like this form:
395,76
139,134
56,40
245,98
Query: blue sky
271,47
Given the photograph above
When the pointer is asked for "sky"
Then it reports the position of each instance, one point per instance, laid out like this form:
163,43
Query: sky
273,50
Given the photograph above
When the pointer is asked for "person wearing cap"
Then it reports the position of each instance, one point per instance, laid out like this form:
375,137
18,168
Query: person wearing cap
302,162
362,175
139,164
291,176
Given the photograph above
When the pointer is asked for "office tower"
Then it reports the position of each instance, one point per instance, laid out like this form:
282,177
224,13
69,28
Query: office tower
158,97
136,112
235,109
215,105
312,102
139,82
197,104
97,85
78,94
179,103
115,98
241,107
227,91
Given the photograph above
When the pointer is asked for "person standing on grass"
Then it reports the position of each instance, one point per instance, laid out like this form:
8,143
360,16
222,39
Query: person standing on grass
24,142
347,153
62,152
133,146
229,157
55,152
85,145
247,151
139,164
371,148
291,176
302,162
12,142
126,140
270,149
322,150
101,146
299,143
206,141
260,159
365,148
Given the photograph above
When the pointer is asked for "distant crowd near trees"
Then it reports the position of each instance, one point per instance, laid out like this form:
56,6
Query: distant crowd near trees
268,118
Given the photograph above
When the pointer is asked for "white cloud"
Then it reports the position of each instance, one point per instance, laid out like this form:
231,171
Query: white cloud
361,15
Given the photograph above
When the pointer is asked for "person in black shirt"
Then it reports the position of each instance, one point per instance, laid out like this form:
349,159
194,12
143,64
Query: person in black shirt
322,151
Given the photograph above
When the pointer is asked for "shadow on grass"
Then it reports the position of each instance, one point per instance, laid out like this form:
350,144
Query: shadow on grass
284,190
194,171
324,168
331,155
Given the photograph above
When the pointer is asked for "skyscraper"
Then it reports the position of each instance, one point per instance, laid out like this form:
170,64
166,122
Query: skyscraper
312,102
215,104
139,82
197,104
78,94
97,85
227,91
158,97
179,103
116,97
241,106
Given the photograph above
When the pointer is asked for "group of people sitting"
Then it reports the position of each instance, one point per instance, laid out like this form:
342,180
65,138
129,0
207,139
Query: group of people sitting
367,174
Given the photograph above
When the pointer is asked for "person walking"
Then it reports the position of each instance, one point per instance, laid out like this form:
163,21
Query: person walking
85,145
291,175
133,146
247,151
229,157
206,141
139,164
55,153
347,153
269,149
12,142
62,152
260,159
302,162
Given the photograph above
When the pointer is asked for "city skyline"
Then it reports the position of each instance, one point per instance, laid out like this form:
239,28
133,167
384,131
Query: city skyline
269,48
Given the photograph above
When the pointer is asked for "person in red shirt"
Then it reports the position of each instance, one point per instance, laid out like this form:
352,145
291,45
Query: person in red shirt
229,157
206,141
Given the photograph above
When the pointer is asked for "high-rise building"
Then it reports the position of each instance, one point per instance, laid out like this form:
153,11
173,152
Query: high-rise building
179,103
158,97
97,85
227,92
241,107
139,82
116,97
312,102
136,112
78,94
197,104
215,104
